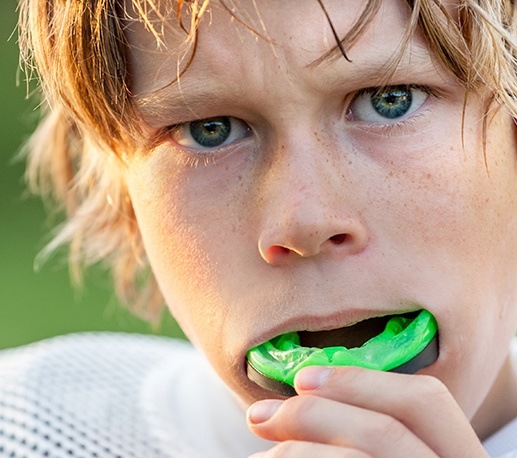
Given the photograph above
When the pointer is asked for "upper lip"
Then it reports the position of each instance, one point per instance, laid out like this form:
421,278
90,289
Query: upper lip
336,320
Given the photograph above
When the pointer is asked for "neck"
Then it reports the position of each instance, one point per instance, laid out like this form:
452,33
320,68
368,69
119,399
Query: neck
500,406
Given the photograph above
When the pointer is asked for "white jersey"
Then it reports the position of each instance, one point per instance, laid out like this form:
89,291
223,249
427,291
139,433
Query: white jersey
117,396
503,443
128,396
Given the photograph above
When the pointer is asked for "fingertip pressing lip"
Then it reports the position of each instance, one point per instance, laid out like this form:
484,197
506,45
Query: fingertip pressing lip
312,378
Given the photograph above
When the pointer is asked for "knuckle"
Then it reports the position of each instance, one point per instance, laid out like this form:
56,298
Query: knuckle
351,375
346,384
432,388
286,449
301,406
388,429
302,412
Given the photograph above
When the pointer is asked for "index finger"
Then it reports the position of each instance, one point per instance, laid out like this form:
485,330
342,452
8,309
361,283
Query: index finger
421,402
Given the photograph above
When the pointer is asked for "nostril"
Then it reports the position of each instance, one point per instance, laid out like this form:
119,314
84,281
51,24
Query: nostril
277,250
338,239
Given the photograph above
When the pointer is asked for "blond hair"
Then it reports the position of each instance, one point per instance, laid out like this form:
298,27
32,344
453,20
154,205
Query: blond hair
77,48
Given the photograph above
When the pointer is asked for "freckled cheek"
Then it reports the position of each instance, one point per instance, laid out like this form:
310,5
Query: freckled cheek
449,226
443,201
192,232
459,227
419,206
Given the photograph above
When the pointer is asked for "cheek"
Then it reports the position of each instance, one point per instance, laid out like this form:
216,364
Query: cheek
192,230
448,225
458,203
479,232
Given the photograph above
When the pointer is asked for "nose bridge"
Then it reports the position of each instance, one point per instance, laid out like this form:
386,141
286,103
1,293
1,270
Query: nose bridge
307,204
304,186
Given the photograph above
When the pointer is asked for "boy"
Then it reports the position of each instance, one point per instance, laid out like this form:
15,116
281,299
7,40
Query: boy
276,182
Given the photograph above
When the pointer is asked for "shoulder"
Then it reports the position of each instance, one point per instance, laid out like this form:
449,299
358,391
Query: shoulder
85,392
91,348
89,361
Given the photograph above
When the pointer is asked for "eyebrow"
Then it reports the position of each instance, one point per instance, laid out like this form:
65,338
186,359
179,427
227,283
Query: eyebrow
188,95
191,95
415,59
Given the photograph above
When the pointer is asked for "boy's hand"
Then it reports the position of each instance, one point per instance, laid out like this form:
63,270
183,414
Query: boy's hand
354,412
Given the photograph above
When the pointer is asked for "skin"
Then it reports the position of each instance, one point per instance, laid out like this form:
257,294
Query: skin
316,218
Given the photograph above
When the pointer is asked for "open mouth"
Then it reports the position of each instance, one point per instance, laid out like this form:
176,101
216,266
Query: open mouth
400,343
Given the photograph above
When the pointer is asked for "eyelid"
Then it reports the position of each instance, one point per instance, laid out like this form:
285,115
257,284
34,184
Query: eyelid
239,129
388,87
372,91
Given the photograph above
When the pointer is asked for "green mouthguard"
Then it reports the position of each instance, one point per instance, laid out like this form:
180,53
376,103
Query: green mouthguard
403,338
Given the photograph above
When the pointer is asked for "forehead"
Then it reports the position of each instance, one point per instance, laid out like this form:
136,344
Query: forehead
251,39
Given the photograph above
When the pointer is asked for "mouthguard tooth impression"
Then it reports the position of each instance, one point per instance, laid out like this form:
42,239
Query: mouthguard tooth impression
406,345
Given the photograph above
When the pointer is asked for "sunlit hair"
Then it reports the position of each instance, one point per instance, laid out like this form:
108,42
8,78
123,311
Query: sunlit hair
90,124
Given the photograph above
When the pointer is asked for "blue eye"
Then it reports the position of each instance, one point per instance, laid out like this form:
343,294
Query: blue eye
393,104
210,132
388,104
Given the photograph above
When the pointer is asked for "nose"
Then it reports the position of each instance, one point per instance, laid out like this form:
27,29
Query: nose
296,236
310,211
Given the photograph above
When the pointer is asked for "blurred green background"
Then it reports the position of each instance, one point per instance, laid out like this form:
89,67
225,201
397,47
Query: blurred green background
36,305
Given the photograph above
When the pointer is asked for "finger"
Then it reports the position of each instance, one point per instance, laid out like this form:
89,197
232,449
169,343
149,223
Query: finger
422,403
317,419
298,449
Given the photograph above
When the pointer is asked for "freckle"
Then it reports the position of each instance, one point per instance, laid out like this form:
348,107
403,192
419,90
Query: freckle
240,177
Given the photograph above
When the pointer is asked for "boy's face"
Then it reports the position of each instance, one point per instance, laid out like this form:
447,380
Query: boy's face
315,203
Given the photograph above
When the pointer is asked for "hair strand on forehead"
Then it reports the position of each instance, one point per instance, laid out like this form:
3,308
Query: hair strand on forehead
336,36
353,34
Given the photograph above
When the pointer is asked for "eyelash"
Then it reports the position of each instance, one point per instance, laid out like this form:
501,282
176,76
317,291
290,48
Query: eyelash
182,134
204,159
372,90
209,156
402,123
